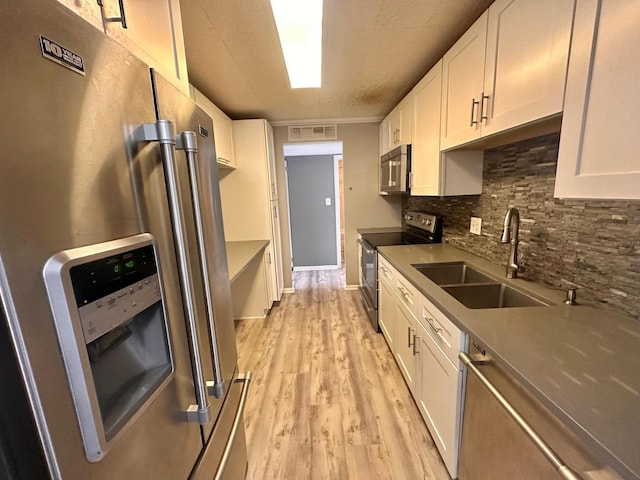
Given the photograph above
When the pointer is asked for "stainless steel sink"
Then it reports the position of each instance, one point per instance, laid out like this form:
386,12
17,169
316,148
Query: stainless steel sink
452,273
491,296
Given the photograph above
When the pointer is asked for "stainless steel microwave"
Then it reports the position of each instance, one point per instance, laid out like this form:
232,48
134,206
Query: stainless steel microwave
394,170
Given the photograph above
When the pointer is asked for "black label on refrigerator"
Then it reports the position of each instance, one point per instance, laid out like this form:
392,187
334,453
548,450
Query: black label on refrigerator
57,53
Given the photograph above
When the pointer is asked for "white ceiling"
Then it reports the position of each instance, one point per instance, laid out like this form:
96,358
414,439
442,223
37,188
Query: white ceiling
374,52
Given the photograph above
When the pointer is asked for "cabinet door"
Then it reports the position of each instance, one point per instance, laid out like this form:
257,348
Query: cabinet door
425,149
385,141
405,135
439,397
153,34
403,343
462,82
394,127
526,65
386,312
599,144
87,9
222,129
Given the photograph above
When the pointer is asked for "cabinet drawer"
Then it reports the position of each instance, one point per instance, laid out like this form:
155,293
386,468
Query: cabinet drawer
386,273
408,294
445,334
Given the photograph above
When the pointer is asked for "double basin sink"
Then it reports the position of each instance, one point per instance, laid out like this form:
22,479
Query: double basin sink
475,289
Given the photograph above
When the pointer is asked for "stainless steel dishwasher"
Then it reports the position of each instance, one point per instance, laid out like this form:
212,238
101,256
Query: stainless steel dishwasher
508,434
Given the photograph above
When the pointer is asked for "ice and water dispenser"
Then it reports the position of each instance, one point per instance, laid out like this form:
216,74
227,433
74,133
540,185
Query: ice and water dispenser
109,314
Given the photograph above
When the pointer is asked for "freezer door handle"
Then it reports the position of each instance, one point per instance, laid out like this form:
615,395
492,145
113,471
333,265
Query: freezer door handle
246,380
163,132
187,141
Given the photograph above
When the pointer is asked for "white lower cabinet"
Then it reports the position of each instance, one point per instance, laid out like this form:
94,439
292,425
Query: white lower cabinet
425,345
386,307
405,334
439,398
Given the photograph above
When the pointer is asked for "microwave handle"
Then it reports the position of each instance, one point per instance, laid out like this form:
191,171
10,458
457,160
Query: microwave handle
392,173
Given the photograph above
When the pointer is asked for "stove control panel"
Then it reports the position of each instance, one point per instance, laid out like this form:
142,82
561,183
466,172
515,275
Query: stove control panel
423,221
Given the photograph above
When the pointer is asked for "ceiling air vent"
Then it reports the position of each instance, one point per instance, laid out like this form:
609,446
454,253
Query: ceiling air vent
303,133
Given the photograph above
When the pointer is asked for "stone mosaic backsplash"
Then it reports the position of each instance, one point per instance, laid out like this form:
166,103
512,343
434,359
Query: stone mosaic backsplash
591,244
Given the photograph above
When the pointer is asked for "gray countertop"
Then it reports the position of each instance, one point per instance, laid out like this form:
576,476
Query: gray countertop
240,254
582,362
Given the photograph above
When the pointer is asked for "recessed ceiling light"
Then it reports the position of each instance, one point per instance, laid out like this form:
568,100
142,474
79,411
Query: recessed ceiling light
299,24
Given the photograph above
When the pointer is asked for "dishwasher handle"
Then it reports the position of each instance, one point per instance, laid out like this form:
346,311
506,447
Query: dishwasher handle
563,469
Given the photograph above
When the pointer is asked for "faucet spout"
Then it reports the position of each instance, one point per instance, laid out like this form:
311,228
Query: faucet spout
510,234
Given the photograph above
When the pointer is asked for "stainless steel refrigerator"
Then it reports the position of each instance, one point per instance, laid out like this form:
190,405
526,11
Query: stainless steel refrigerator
117,349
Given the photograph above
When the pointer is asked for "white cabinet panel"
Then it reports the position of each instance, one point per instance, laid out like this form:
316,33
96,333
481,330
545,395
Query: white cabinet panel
599,144
462,82
425,149
153,34
386,313
434,172
222,129
404,344
440,399
526,65
87,9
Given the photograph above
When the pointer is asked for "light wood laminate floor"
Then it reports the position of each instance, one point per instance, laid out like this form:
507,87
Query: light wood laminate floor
327,400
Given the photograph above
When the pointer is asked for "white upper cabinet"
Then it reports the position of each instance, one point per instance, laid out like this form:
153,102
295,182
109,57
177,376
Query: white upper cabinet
87,9
153,34
462,82
599,143
396,128
384,136
222,129
526,61
507,70
434,172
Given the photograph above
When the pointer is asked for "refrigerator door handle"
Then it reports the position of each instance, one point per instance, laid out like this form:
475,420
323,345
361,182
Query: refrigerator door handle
246,380
187,141
163,132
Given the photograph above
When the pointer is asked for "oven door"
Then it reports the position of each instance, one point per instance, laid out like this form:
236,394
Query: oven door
369,273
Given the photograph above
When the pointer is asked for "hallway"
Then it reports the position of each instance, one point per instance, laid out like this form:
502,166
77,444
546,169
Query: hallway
327,400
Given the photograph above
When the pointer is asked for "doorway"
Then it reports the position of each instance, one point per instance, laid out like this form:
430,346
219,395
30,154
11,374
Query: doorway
314,196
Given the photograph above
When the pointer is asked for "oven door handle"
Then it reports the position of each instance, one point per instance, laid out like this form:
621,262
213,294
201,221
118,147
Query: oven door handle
364,244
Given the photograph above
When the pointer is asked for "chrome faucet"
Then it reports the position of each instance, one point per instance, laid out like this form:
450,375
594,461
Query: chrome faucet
510,234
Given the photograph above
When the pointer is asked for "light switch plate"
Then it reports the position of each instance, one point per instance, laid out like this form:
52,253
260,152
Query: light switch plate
327,201
476,225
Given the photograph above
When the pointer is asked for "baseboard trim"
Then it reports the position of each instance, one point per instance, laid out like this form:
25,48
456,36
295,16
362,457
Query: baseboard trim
250,318
352,287
316,267
288,290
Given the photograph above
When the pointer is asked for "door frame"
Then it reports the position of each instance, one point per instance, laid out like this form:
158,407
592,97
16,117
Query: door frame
337,205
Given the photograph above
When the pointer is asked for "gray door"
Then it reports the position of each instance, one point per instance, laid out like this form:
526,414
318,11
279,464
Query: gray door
312,210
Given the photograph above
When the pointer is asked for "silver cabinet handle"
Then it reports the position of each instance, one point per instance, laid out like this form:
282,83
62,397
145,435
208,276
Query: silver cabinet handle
415,345
121,19
483,115
474,102
432,324
163,132
405,294
246,380
562,468
187,141
410,332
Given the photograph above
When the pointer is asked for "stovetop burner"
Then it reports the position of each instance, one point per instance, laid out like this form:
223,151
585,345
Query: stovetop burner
421,228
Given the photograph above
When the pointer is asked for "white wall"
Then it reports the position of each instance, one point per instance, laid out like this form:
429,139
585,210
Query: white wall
363,206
